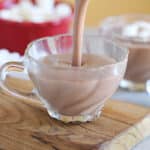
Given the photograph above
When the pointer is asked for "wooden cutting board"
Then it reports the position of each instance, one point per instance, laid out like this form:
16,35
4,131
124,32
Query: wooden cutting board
25,125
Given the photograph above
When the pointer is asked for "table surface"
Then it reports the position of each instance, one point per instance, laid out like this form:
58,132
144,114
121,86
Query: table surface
141,98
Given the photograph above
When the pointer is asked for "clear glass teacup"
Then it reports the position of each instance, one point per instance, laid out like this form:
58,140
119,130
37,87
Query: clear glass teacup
71,93
133,32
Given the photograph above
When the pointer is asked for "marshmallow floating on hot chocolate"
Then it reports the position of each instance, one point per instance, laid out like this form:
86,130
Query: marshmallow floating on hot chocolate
137,30
43,10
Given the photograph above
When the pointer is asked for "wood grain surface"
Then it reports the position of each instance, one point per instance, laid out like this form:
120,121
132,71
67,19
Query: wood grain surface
25,125
130,138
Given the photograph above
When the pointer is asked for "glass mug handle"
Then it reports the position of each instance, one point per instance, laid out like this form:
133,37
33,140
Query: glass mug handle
14,67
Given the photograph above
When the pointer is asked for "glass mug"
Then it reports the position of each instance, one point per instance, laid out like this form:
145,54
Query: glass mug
70,93
123,29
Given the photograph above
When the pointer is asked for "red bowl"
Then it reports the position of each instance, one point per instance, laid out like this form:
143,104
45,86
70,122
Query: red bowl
16,35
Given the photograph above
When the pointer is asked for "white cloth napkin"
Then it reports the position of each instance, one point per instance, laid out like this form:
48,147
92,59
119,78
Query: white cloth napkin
144,145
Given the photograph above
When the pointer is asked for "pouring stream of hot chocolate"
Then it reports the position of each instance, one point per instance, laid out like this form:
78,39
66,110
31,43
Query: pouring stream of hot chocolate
78,30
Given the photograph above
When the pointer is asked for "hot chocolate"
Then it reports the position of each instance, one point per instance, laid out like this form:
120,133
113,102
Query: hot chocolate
72,93
138,68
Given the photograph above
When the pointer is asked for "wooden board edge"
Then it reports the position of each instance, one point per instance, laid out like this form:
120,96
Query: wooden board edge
131,137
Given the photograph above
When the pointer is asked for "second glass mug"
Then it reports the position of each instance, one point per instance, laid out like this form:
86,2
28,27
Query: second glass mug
70,93
132,31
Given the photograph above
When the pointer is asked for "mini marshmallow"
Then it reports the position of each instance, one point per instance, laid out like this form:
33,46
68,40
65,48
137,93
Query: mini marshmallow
47,5
63,10
24,10
5,14
139,30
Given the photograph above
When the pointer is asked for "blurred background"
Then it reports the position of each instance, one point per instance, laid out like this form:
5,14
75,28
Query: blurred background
100,9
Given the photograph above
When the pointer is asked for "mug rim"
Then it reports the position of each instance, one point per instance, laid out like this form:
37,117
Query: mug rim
120,46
